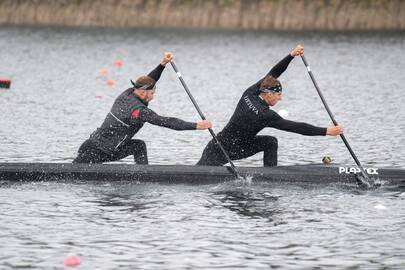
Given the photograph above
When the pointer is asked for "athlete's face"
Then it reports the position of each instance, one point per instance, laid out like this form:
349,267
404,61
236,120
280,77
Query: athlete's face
272,98
150,94
146,95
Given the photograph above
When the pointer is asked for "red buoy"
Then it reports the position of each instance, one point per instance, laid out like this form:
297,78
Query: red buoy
118,63
110,82
72,261
5,83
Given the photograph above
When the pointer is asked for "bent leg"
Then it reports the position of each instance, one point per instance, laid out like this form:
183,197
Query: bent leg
89,153
212,156
137,148
270,147
266,144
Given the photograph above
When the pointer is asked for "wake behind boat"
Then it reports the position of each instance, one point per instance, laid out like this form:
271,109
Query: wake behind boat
319,174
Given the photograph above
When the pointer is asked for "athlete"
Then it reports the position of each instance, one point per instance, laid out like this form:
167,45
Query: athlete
252,114
113,140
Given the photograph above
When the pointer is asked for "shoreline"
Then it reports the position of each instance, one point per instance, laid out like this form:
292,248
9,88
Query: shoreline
259,15
186,30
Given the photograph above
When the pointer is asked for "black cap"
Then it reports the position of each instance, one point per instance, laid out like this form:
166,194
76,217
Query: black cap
147,86
275,88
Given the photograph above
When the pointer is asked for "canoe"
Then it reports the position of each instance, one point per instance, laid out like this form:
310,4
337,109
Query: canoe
317,173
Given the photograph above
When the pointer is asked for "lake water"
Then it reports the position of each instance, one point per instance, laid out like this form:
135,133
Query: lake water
58,97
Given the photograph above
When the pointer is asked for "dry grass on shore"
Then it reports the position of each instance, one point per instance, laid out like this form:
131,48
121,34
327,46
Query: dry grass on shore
228,14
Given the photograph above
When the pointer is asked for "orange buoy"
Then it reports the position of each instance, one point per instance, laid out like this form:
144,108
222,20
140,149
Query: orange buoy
72,261
5,83
118,63
104,72
110,82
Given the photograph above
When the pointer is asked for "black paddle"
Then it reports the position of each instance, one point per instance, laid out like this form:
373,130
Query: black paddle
233,168
360,181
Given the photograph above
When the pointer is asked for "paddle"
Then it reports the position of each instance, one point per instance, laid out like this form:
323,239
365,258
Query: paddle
233,168
360,181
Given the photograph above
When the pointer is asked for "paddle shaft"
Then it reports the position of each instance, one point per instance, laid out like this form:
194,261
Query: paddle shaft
332,117
233,168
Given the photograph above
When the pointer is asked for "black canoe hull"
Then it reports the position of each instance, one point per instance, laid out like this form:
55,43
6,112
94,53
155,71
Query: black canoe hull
185,173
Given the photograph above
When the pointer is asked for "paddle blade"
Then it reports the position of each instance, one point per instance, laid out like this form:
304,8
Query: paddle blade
366,183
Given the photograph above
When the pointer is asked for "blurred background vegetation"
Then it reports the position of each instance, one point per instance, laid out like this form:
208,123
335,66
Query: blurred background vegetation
227,14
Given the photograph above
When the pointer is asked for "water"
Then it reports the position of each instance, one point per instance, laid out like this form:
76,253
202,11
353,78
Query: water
58,98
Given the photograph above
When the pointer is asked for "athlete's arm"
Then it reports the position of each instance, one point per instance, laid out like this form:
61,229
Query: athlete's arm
276,121
281,66
147,115
157,72
278,69
299,127
153,118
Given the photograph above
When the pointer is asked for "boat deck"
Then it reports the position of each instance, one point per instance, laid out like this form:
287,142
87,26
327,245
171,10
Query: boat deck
184,173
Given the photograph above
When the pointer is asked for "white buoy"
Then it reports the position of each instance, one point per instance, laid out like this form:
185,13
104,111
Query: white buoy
283,113
380,207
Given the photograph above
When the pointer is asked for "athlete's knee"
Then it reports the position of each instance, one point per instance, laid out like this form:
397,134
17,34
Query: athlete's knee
204,159
202,162
86,153
142,145
81,159
268,142
139,151
78,160
272,141
211,156
139,146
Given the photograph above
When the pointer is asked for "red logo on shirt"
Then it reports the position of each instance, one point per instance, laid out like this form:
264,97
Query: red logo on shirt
136,113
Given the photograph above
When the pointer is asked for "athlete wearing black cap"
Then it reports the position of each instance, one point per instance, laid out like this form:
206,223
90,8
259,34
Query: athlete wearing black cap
113,140
252,114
